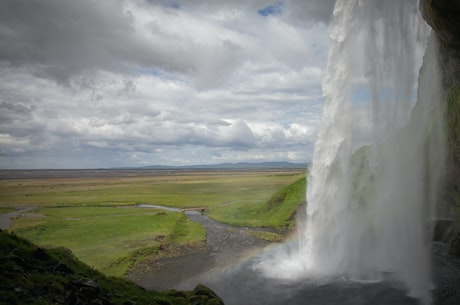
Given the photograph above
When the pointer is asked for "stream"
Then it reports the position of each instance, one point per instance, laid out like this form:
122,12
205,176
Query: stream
229,267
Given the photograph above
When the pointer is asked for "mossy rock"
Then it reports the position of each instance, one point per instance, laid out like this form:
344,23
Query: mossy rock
217,301
443,17
205,291
33,275
454,248
453,121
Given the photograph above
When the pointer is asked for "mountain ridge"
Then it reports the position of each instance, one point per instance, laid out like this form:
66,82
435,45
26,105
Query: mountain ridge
230,165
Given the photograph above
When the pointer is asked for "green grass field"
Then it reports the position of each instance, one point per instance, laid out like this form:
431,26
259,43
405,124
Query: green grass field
185,190
274,211
97,218
101,236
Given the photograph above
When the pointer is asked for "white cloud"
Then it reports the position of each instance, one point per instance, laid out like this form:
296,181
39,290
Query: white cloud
90,84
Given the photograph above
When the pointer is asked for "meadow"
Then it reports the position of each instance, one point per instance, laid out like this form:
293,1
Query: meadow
99,220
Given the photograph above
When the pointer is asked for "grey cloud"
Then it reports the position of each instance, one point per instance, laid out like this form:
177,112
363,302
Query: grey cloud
61,38
305,11
130,99
310,11
313,10
11,112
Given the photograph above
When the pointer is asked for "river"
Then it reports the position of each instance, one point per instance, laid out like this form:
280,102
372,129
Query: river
229,266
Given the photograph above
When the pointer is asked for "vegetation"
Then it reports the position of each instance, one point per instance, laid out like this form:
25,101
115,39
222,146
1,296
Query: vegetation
268,236
454,247
100,236
6,210
33,275
276,211
363,176
453,119
97,218
189,189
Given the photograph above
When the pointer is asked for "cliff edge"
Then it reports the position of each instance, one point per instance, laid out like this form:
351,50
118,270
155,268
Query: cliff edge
444,17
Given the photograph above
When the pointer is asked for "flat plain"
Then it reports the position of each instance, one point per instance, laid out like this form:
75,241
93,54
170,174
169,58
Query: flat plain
96,213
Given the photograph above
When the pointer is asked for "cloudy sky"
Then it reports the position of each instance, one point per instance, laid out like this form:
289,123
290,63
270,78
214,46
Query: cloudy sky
92,83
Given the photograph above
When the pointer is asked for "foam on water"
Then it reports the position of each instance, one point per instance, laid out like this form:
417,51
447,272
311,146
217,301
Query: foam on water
369,210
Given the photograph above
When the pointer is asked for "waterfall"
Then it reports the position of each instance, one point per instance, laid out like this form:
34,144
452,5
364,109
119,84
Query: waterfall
377,162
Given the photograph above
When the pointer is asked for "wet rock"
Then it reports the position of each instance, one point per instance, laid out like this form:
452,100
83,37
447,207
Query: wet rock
204,291
203,295
443,17
443,230
217,301
84,291
41,254
62,268
198,300
163,301
22,264
176,293
454,248
89,283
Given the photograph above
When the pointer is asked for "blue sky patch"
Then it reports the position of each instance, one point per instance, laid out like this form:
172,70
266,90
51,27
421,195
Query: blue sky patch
274,9
166,3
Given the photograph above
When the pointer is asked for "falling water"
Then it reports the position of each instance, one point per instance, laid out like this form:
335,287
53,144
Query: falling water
377,161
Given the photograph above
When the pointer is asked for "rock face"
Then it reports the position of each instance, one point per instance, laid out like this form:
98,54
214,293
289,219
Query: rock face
33,275
444,18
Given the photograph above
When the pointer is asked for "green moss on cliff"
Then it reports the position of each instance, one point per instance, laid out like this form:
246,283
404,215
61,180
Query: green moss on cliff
443,16
454,248
277,212
453,121
33,275
453,142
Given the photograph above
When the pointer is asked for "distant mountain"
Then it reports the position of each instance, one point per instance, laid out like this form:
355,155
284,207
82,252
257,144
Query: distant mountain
238,165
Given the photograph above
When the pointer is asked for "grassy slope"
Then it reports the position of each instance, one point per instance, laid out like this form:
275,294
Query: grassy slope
32,275
276,211
102,235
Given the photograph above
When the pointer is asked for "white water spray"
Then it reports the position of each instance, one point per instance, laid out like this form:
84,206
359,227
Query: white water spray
369,211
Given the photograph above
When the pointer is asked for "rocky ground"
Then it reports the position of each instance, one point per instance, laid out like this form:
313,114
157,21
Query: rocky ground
184,265
226,265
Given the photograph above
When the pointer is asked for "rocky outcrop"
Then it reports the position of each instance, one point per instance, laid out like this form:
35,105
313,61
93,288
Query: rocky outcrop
444,18
33,275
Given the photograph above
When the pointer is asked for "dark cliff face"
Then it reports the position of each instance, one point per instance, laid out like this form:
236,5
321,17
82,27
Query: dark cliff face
444,18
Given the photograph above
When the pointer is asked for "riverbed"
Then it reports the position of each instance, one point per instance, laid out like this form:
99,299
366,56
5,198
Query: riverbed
228,265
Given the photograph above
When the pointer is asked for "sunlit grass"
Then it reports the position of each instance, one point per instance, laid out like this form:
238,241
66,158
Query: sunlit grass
100,236
96,217
186,190
274,211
